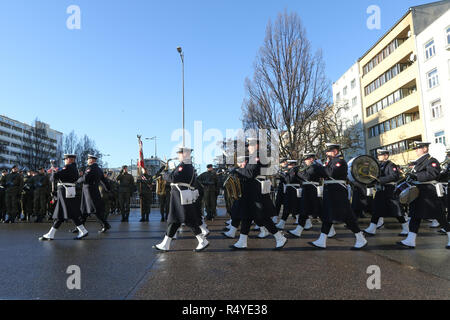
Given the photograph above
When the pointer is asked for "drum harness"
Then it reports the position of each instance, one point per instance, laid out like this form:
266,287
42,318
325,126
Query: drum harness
187,197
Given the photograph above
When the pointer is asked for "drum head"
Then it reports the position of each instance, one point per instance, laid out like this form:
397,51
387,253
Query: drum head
409,195
364,169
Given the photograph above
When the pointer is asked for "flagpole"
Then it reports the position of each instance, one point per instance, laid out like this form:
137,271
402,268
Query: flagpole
139,171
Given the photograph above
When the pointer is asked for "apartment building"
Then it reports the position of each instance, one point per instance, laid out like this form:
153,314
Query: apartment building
433,53
347,99
391,86
19,140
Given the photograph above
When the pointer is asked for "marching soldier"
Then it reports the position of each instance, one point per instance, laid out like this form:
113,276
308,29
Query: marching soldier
14,185
91,200
291,204
27,196
126,189
145,194
279,199
237,207
309,202
67,203
336,205
254,203
427,205
211,190
385,204
41,185
2,196
181,180
106,193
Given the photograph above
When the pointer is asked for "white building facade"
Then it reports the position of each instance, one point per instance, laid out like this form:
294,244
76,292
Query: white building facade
433,55
17,138
347,92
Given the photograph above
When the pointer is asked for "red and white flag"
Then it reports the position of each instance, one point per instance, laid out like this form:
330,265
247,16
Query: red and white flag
141,163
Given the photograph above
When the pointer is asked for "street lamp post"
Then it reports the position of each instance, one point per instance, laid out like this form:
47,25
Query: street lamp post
180,51
153,138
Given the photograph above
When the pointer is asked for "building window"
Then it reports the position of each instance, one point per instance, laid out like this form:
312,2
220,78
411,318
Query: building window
354,101
355,119
345,91
430,49
439,137
436,109
448,35
353,83
338,96
433,79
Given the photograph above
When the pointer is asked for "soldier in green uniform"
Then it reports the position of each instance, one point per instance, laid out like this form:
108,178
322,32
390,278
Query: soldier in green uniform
42,189
106,194
145,194
14,185
211,188
2,196
27,196
126,189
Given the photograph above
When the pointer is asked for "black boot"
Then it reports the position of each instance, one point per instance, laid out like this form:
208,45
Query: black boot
106,227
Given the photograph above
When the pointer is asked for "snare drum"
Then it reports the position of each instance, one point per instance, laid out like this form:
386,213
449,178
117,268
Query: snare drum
406,193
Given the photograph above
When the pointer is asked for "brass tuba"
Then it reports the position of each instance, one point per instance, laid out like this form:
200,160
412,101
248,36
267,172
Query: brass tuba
233,192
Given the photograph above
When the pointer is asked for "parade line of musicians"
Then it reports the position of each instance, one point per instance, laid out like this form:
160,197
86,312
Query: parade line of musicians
70,194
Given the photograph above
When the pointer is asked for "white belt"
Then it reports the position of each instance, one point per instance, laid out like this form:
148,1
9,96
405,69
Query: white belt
261,177
335,181
292,185
66,184
308,183
426,182
181,184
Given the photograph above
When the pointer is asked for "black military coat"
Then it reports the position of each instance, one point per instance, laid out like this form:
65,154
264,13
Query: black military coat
291,204
178,213
91,199
66,208
310,203
427,205
385,204
336,206
254,205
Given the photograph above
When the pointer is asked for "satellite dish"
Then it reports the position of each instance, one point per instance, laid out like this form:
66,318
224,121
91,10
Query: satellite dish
438,151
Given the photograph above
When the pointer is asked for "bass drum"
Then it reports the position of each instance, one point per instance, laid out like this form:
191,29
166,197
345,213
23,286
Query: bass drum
363,169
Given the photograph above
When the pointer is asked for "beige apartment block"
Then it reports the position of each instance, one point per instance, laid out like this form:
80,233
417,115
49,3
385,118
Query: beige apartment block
393,113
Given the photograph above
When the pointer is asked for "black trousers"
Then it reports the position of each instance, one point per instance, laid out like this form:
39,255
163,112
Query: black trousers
262,222
375,218
57,223
173,227
349,221
414,224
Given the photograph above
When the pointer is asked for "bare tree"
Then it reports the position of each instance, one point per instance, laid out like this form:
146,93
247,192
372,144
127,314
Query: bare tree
81,148
288,88
331,125
39,148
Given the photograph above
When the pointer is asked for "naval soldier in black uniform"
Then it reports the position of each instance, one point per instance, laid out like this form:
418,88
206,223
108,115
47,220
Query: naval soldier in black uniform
385,203
91,199
279,199
310,204
291,203
336,204
427,205
182,178
67,204
255,204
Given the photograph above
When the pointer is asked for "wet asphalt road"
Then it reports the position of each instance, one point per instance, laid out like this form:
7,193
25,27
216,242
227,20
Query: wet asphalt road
122,265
